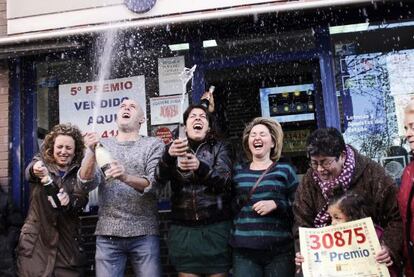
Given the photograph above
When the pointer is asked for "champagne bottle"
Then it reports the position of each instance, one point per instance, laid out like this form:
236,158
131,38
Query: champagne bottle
51,192
181,135
205,102
181,131
103,159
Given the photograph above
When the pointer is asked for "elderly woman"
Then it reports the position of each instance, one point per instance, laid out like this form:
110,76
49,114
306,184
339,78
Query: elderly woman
335,165
405,196
48,244
199,168
262,237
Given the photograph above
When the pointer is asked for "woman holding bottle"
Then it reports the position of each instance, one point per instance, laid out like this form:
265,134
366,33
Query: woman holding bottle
49,240
199,168
262,239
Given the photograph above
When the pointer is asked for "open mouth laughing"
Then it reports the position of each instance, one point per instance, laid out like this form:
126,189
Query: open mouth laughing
126,115
198,126
257,144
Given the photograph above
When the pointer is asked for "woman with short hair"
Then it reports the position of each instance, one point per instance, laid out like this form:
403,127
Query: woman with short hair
335,165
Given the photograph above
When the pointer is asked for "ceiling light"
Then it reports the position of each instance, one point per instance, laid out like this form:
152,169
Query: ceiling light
179,46
349,28
210,43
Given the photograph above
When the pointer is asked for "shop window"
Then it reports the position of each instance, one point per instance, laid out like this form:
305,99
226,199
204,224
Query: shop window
50,74
238,97
374,82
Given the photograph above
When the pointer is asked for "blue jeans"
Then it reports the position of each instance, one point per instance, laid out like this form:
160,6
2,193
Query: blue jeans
112,253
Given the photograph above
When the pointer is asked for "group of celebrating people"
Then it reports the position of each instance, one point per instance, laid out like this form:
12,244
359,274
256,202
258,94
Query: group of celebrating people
224,215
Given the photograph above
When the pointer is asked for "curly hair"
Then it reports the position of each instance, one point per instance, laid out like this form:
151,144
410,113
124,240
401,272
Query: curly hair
327,142
275,131
64,130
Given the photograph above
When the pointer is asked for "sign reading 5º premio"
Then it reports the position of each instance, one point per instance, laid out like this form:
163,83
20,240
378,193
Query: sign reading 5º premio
342,250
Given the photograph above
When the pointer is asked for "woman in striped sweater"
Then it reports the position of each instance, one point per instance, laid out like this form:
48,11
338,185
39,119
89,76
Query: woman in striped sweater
262,237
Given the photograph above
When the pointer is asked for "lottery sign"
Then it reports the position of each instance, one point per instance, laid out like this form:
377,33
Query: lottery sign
342,250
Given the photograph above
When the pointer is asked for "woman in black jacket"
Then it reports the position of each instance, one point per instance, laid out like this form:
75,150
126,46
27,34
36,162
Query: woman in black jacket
199,169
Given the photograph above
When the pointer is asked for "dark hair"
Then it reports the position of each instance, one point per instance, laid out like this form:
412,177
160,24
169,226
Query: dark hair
198,106
64,130
325,142
352,205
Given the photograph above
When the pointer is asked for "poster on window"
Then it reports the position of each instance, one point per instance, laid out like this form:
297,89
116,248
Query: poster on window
342,250
167,109
93,106
400,66
169,70
369,121
374,89
164,132
295,141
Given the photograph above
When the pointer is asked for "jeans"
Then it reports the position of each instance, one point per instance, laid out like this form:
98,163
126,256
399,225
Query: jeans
263,263
112,253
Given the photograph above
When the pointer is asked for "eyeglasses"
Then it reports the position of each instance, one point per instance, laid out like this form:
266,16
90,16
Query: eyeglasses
325,164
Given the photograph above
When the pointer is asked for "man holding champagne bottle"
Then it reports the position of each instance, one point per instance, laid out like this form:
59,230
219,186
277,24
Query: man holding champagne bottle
128,216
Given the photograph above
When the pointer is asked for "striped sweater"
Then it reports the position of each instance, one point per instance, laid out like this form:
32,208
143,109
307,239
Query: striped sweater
264,232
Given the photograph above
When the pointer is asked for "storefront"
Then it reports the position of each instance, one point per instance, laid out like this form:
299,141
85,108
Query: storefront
348,66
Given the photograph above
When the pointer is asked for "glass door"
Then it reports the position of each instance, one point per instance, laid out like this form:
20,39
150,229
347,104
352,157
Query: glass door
288,92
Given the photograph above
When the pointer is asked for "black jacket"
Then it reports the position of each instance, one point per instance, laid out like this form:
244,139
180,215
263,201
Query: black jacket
10,223
203,196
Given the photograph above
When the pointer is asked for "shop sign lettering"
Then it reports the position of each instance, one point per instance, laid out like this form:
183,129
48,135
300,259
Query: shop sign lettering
93,106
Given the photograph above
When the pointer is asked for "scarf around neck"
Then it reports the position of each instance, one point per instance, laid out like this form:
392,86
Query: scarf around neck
344,180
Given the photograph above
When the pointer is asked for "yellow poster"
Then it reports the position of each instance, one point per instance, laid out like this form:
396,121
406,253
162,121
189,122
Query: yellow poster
342,250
